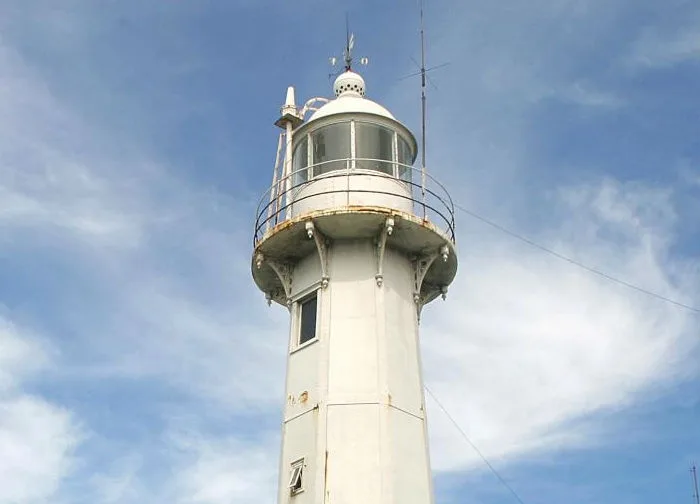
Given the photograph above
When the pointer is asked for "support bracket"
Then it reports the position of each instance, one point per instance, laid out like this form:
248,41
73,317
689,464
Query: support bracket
322,248
284,272
387,230
421,265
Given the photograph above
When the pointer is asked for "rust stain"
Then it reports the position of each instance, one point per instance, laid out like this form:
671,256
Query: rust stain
304,397
388,399
352,209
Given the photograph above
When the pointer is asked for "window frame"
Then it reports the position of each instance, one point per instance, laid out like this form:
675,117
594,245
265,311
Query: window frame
299,301
296,477
398,133
390,162
315,167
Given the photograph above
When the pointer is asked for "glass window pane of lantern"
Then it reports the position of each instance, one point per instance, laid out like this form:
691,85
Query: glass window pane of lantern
331,143
373,144
300,162
405,160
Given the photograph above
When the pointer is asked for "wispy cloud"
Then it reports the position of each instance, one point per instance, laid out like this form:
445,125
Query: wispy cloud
543,346
37,438
222,470
659,49
156,292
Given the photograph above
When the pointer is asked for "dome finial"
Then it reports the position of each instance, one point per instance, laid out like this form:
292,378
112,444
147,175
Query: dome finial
349,45
348,59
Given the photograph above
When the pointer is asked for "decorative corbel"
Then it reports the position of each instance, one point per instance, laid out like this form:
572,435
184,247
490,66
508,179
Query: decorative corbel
284,272
421,265
321,247
387,230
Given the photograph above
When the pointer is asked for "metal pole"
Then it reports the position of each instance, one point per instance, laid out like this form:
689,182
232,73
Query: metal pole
288,172
695,484
422,73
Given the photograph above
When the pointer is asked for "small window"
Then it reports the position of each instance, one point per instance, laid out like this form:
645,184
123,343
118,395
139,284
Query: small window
296,476
307,320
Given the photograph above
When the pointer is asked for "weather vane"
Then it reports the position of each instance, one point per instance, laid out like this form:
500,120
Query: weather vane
347,51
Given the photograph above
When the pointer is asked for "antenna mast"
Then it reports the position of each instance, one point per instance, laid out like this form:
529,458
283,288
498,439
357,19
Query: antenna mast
696,494
422,98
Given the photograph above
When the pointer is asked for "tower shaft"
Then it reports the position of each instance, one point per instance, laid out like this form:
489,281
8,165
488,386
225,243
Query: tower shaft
354,417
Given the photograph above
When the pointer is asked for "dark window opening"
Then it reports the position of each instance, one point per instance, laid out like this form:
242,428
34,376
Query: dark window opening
307,324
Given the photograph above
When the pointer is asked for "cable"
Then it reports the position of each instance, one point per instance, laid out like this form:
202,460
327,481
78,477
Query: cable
576,263
478,452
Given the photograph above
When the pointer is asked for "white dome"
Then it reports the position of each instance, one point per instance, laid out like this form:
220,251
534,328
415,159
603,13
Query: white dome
351,104
349,82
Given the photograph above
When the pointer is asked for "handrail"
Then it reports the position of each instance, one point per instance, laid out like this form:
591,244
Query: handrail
434,197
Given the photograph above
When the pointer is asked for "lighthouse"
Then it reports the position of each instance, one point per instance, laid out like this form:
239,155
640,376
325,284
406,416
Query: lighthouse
353,241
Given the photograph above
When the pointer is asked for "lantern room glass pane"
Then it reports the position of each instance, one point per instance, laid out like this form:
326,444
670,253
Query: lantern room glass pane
331,143
374,147
405,160
300,162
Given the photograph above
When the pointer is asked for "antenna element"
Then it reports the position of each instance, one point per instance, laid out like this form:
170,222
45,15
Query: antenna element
422,99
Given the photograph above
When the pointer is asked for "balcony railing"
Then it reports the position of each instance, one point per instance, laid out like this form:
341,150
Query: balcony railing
429,199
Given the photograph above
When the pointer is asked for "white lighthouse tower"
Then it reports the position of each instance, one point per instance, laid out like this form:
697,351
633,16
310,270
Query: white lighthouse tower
354,242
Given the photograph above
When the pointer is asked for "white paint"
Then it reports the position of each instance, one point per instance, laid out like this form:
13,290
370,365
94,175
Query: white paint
354,409
343,188
351,103
362,378
349,83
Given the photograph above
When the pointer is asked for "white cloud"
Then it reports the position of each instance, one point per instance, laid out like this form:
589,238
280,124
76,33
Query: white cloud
121,483
19,357
37,438
48,172
587,96
529,347
223,470
657,49
524,352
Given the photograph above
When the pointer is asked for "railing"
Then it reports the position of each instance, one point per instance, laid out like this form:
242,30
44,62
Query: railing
431,201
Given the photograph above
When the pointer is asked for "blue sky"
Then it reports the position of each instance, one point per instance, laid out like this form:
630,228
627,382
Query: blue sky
138,362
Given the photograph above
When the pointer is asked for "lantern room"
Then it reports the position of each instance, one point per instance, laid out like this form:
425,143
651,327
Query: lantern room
344,172
352,152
